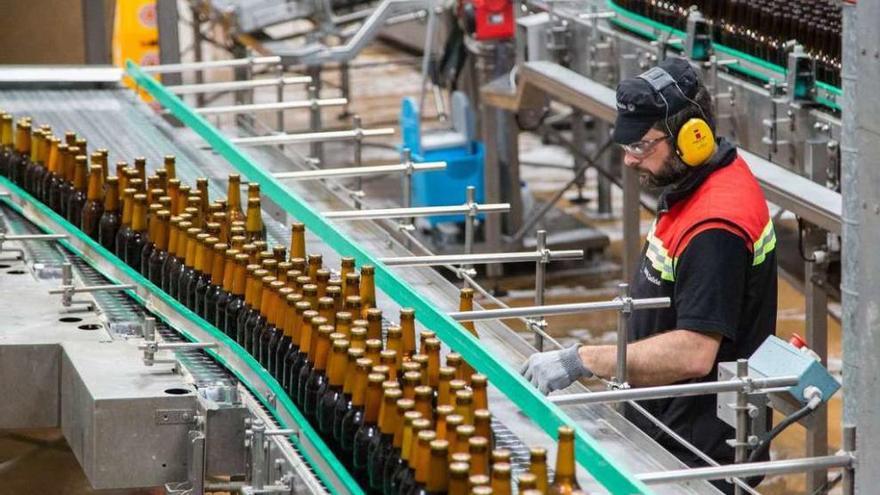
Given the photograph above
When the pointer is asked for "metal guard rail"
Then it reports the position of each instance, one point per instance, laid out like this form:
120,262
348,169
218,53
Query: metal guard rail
545,414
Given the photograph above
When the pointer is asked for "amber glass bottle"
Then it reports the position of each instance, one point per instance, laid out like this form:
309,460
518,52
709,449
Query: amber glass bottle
256,321
292,354
176,250
381,437
538,467
368,429
53,165
417,475
189,270
367,289
458,479
564,480
437,482
335,379
483,426
135,243
354,416
501,479
254,222
35,163
108,224
76,200
160,248
236,302
203,282
317,378
297,240
343,402
19,163
408,330
7,147
124,232
215,287
224,293
90,213
55,185
308,343
233,199
274,329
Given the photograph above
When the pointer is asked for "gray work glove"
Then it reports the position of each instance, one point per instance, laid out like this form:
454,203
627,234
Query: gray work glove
554,370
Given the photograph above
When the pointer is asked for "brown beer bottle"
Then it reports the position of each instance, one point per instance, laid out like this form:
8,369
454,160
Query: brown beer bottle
401,440
382,449
229,312
538,467
437,473
501,479
418,472
55,186
223,259
176,253
254,223
308,349
78,198
52,167
233,199
19,164
138,238
354,417
317,378
458,479
564,481
7,148
124,232
90,215
292,358
160,248
140,165
368,436
483,426
478,448
344,402
526,481
297,240
335,379
367,289
203,281
108,225
191,265
409,453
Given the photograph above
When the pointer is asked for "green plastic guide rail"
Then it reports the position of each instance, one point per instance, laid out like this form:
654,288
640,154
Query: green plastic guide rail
626,19
545,414
281,398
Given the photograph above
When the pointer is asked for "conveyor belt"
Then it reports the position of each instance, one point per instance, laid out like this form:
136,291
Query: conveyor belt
113,119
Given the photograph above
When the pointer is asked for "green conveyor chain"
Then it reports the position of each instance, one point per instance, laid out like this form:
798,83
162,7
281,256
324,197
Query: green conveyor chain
625,20
545,414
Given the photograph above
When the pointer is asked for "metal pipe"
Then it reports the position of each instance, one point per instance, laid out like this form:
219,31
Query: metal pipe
849,445
316,149
309,137
543,256
31,237
332,173
747,469
470,220
210,64
482,258
421,211
406,189
683,390
622,330
92,288
158,346
740,447
559,309
216,87
279,105
358,156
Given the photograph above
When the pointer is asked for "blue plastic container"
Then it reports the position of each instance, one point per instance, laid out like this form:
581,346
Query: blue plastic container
464,159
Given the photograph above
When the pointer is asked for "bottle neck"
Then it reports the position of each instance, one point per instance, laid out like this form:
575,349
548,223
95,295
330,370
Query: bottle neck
373,402
336,374
218,268
127,211
240,279
139,217
111,199
438,472
161,236
358,388
96,180
79,178
298,244
565,469
322,351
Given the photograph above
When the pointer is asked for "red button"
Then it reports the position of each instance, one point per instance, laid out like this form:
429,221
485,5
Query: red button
797,341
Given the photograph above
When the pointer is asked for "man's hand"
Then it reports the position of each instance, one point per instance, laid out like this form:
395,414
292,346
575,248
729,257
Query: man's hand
554,370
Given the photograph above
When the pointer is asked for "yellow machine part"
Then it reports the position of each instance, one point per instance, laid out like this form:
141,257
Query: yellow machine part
135,35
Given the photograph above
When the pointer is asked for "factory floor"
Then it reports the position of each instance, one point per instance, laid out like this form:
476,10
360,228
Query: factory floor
36,462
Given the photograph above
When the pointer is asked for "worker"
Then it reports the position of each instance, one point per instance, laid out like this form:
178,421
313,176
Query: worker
710,251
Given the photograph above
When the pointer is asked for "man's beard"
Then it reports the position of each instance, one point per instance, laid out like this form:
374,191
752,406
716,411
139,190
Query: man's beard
673,171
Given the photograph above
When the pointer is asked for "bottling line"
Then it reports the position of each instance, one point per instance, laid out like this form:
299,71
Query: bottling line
154,386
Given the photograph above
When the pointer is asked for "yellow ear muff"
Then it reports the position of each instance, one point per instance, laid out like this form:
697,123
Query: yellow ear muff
695,142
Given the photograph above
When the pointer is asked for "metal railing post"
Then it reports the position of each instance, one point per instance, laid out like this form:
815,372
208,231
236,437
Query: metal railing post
540,281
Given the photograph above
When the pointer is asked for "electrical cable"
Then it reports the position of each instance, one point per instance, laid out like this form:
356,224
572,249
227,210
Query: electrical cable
794,417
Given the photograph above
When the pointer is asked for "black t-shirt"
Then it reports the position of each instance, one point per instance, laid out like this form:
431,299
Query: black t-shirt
717,290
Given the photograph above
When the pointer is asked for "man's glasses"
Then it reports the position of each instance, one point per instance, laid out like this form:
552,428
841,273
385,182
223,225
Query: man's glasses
641,149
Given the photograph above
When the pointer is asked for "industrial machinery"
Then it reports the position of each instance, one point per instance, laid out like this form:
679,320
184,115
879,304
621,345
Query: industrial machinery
121,363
